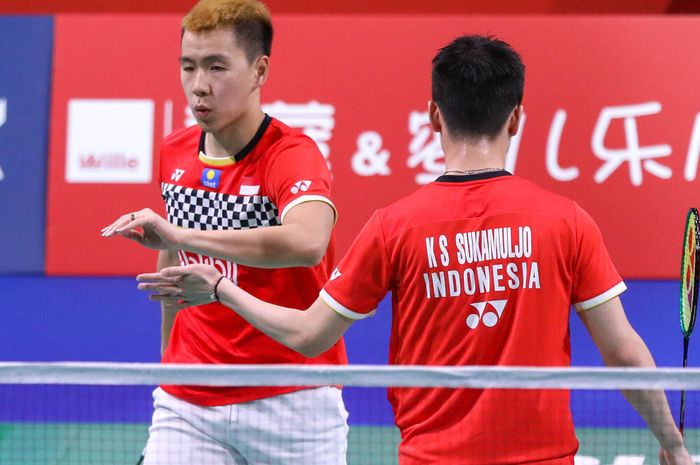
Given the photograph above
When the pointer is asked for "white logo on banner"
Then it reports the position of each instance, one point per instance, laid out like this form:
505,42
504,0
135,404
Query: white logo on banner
691,164
314,119
190,120
639,157
3,120
552,154
425,148
3,111
370,159
109,141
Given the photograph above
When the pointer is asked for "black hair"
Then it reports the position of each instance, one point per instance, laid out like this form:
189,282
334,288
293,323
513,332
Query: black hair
255,37
477,81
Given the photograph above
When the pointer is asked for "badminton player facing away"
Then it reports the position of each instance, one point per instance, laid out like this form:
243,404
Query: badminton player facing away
250,196
483,267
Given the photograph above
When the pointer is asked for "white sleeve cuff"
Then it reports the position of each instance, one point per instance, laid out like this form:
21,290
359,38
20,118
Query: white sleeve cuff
343,310
309,198
613,292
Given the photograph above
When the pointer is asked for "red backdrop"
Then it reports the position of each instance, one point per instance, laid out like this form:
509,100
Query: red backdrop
610,107
368,6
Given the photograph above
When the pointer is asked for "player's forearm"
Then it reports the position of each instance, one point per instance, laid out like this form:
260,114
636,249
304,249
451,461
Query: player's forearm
652,405
273,247
287,326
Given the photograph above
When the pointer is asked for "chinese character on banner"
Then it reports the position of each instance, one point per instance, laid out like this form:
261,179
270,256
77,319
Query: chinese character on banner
555,170
370,159
425,148
315,119
691,164
639,158
190,120
3,120
168,118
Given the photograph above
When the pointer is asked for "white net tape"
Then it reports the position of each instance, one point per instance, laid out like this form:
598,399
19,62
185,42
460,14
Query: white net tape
349,375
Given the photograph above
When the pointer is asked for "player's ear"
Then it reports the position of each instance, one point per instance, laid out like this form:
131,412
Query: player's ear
262,69
514,120
434,116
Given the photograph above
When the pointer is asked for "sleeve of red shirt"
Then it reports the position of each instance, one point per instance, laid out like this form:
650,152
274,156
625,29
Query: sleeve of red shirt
298,174
363,276
595,278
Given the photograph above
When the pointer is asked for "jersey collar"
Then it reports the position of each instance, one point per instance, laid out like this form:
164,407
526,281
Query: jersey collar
240,155
472,177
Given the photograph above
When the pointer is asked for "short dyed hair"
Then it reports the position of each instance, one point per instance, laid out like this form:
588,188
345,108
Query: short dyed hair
477,81
249,19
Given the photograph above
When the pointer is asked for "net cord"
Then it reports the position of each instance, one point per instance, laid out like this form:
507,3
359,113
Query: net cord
590,378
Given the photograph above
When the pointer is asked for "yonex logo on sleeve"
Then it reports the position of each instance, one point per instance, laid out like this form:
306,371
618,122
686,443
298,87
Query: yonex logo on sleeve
336,274
177,174
301,186
486,314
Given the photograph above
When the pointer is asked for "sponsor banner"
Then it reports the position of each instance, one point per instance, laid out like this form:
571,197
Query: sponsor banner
107,123
25,80
603,123
96,152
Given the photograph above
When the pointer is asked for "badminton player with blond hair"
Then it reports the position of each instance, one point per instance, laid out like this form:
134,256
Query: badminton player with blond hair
251,197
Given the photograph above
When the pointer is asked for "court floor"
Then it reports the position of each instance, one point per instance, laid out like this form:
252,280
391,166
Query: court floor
121,443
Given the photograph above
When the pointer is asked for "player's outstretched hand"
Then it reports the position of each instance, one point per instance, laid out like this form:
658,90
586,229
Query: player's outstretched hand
145,227
181,286
676,456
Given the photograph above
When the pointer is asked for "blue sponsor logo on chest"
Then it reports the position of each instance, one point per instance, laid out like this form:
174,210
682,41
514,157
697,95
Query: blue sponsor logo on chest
210,178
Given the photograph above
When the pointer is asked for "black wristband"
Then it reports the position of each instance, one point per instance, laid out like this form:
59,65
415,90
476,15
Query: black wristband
214,294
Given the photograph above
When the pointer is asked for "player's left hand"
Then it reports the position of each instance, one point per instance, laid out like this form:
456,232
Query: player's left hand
181,286
147,228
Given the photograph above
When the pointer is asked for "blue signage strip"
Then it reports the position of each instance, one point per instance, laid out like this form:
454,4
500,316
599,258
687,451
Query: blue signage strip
26,45
108,319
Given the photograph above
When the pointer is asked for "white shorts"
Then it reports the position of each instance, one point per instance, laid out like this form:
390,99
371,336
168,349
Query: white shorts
306,427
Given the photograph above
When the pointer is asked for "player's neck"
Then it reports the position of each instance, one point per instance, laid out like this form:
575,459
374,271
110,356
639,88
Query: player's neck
231,139
474,154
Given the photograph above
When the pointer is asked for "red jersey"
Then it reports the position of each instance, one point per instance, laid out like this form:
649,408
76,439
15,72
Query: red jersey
279,169
483,270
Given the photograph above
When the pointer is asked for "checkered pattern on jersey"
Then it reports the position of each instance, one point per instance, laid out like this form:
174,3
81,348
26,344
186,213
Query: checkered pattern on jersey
199,209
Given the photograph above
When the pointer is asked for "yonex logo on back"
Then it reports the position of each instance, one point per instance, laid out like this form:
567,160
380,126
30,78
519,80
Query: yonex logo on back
177,174
301,186
489,313
336,274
